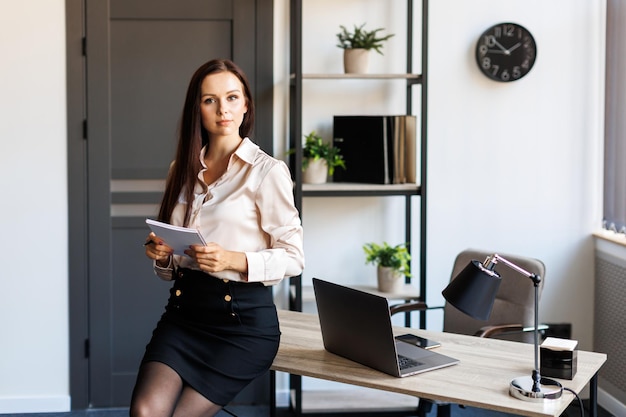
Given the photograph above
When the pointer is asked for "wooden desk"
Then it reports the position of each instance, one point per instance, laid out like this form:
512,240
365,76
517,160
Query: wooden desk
481,379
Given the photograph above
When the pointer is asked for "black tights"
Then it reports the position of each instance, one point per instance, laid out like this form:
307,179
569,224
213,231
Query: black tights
160,392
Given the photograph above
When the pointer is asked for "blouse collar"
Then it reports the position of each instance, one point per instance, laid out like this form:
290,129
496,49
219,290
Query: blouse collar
246,151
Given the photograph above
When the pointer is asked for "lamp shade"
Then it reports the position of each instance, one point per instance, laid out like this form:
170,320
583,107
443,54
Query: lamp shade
473,291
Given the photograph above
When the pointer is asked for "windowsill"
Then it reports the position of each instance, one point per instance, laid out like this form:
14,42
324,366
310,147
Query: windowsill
610,243
607,235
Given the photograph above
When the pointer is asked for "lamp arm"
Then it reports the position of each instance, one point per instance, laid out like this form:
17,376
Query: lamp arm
494,259
490,264
536,375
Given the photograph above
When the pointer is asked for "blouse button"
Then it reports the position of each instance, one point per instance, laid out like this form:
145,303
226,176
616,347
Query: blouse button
225,280
178,293
228,297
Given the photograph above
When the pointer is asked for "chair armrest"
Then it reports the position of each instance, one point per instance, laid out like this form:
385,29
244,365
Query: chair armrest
407,307
490,331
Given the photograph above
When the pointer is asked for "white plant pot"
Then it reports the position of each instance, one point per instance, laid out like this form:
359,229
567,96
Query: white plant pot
316,172
356,61
389,280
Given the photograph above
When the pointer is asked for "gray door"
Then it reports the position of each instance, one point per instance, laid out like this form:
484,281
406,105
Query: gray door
140,55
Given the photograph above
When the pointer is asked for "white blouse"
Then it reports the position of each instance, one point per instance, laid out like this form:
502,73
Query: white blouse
249,209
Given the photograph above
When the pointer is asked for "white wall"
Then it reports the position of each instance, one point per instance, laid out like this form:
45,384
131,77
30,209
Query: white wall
34,364
516,167
535,144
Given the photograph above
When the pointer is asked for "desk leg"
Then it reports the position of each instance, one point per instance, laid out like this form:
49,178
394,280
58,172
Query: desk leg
295,381
593,396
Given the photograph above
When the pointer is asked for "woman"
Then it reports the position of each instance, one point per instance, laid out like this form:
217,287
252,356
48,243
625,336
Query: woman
220,329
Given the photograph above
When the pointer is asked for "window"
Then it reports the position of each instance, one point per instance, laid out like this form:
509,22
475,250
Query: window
615,122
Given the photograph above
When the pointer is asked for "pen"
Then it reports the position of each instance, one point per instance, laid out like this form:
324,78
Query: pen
149,241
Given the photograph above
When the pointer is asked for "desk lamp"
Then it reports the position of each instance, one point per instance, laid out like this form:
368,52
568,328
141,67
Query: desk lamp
473,292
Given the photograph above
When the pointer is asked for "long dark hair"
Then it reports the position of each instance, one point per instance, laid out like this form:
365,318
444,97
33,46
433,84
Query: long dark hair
192,136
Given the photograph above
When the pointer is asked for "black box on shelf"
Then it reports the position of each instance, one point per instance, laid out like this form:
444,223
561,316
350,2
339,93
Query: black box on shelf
558,358
376,149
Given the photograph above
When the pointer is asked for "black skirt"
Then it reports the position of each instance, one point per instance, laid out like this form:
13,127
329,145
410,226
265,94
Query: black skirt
218,335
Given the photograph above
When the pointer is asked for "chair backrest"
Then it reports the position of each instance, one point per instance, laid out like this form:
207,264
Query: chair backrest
515,301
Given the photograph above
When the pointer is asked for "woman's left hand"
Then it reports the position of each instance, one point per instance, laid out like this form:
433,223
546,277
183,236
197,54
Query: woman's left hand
214,258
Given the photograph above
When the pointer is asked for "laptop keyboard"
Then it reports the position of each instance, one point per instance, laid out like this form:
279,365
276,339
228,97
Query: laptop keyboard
405,362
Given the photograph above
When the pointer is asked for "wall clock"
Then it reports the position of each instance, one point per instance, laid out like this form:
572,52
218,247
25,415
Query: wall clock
506,52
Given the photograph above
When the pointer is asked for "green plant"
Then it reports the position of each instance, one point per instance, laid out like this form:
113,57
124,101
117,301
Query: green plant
315,148
361,38
396,257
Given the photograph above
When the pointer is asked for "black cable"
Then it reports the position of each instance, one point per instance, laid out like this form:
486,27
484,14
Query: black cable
232,414
580,401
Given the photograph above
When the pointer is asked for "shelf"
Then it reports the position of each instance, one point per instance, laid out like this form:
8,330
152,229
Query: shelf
408,292
414,78
411,79
358,401
345,189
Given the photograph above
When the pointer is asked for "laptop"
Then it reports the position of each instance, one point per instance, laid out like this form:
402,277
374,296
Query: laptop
357,325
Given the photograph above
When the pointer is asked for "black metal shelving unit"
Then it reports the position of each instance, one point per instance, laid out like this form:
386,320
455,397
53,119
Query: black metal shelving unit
408,191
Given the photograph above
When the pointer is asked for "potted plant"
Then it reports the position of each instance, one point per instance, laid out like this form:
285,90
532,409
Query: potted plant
319,159
357,44
393,263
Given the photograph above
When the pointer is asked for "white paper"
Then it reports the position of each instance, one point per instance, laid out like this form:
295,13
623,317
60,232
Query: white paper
554,343
176,237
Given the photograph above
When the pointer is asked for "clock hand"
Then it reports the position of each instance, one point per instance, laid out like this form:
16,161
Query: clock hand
496,51
514,47
504,50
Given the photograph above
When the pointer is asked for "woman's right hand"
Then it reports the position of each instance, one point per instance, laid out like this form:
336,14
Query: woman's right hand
157,250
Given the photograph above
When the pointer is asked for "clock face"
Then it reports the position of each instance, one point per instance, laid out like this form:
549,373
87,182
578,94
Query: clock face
506,52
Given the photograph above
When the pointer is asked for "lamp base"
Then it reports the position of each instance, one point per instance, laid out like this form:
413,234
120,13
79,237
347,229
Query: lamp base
523,388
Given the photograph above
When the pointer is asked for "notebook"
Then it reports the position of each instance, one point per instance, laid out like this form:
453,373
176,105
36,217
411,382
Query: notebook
357,325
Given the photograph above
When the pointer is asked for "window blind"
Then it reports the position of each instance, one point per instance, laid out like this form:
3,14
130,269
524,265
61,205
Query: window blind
615,121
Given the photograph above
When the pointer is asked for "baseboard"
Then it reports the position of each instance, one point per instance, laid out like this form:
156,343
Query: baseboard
610,403
35,405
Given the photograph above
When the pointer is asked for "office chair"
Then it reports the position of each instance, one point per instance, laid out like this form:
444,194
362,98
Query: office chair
512,317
